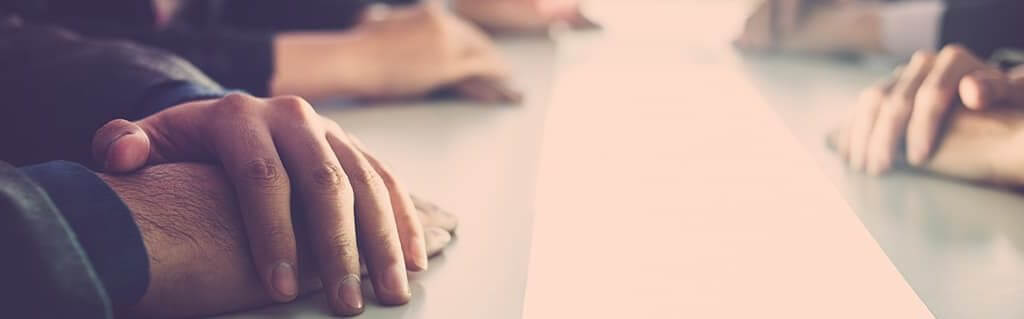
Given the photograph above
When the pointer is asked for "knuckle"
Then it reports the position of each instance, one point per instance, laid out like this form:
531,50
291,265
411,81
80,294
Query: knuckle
921,57
954,51
368,177
264,171
328,175
294,107
235,103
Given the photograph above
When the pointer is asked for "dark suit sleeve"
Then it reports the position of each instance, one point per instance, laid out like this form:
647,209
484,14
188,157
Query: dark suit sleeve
232,40
984,26
277,15
240,60
59,88
45,272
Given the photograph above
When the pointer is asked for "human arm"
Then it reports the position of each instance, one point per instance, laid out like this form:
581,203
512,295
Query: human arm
167,241
193,229
900,119
72,247
394,53
881,27
136,82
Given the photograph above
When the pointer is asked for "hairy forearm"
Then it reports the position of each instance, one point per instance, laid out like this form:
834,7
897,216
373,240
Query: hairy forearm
192,228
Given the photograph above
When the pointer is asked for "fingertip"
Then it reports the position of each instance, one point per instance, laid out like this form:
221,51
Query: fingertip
918,143
120,145
283,282
417,261
349,298
916,156
973,93
392,285
126,153
437,240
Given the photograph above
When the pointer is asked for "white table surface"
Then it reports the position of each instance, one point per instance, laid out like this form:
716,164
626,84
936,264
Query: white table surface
672,177
960,246
677,192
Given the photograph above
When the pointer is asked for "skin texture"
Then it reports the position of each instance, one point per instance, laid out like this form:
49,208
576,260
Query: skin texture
393,54
274,150
812,26
199,258
900,119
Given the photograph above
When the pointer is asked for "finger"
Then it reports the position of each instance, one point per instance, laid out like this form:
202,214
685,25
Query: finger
935,97
488,91
480,58
436,240
839,139
120,146
433,216
865,113
410,229
327,197
378,236
244,145
983,88
889,129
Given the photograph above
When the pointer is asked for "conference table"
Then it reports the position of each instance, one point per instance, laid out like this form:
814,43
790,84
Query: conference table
654,172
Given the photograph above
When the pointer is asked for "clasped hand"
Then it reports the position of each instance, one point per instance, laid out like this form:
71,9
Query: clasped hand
276,150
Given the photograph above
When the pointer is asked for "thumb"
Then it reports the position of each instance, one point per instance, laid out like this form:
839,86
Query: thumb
120,146
982,88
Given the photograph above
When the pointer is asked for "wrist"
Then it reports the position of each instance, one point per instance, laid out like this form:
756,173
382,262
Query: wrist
321,64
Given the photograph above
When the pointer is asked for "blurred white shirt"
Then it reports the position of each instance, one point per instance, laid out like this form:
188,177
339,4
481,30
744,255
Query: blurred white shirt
911,25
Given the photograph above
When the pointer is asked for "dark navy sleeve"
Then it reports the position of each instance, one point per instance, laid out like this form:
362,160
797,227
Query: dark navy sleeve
100,220
102,224
174,93
983,26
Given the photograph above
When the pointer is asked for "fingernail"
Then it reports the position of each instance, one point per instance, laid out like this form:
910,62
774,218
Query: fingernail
350,293
106,156
438,240
418,263
396,282
284,281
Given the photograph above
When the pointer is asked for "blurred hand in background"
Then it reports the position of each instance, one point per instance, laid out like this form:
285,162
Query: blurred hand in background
523,15
812,26
904,115
393,53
